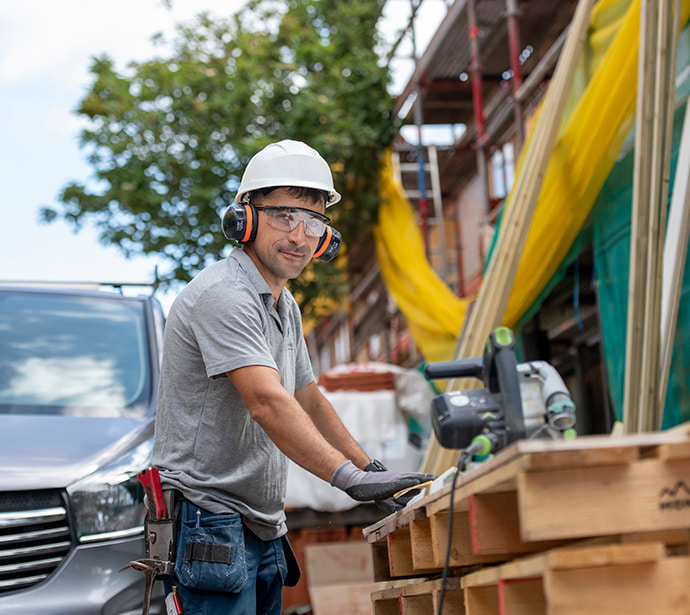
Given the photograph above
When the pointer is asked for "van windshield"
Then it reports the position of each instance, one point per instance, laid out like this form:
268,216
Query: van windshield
74,355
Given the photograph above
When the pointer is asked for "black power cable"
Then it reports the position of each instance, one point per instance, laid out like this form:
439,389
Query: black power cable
481,445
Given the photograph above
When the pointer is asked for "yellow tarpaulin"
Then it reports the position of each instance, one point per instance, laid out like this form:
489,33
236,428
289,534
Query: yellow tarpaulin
434,314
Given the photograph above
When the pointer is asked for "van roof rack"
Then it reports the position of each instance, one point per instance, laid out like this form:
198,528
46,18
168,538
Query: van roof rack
81,285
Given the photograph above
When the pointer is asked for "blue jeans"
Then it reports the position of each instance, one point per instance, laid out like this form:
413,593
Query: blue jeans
222,568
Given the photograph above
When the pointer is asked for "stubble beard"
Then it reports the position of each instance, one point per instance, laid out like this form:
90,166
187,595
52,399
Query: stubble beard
284,267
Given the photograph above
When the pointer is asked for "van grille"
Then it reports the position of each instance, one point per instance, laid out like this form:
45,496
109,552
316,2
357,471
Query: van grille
34,537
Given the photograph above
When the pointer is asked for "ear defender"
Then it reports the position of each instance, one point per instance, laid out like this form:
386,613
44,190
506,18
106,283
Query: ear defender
240,222
329,245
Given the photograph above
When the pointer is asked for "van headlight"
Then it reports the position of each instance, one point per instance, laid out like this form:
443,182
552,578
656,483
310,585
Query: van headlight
109,503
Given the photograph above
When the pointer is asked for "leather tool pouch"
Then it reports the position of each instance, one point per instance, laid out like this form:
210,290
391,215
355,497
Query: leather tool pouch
160,534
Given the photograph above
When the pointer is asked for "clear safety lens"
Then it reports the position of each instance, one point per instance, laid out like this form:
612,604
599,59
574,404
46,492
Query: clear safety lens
287,218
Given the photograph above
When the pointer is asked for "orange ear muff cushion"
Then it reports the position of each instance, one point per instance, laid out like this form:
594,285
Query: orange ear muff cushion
324,243
249,227
329,245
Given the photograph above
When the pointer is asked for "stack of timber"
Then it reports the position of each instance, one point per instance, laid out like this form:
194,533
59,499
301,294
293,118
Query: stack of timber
594,525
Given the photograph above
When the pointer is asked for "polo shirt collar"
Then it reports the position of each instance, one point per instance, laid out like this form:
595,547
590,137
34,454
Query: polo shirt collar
257,280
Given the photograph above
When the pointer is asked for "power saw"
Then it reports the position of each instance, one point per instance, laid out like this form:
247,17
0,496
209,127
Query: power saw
526,400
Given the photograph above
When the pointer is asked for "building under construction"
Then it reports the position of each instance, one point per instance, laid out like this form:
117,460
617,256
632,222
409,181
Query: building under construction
556,207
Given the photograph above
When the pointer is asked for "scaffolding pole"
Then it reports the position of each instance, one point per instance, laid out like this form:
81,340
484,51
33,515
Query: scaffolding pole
419,121
513,17
478,103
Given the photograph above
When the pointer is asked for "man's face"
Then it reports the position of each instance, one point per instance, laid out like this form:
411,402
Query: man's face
281,255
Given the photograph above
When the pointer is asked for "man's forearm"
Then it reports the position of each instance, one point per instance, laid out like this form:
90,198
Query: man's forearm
340,438
297,437
330,425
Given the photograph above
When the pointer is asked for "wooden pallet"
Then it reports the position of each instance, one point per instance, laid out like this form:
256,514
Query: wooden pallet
609,575
587,580
538,495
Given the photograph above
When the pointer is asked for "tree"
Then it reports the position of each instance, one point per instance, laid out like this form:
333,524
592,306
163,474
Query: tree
168,139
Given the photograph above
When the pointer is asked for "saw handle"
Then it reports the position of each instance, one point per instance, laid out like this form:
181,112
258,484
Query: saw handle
459,368
503,369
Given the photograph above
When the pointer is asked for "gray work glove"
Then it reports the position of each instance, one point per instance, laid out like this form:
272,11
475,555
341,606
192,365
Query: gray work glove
366,486
391,504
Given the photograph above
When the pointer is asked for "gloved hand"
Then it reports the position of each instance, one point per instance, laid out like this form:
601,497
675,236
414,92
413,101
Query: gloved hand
391,504
365,486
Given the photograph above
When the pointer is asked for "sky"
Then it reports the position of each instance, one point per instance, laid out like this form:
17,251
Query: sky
45,53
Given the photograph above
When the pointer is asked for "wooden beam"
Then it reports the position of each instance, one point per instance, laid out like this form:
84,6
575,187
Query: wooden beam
656,93
675,254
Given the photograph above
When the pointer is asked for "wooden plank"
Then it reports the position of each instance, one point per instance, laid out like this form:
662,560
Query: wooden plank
675,450
342,599
416,605
385,606
495,527
675,254
634,589
461,546
482,601
655,100
453,602
379,556
400,562
656,159
420,598
571,557
527,567
669,538
639,249
664,105
400,553
521,597
606,555
377,531
461,553
585,454
415,588
422,549
573,503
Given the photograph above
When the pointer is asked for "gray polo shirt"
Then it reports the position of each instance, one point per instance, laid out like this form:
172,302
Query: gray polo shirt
206,444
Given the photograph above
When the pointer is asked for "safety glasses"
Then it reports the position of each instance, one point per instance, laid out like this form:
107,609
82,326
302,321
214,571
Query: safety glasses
287,218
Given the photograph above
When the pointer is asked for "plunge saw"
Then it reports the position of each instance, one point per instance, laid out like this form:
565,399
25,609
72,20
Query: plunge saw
525,400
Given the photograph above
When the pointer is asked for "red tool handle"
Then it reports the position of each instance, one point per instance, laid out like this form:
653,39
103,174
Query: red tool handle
154,493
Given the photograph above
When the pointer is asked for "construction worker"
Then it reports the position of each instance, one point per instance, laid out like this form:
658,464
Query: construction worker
238,397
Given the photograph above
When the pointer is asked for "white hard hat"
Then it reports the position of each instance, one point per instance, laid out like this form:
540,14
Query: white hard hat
287,163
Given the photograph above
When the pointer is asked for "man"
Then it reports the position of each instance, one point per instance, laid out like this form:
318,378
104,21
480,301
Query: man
238,397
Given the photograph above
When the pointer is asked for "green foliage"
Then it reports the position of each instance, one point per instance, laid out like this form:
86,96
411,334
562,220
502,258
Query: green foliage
168,139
